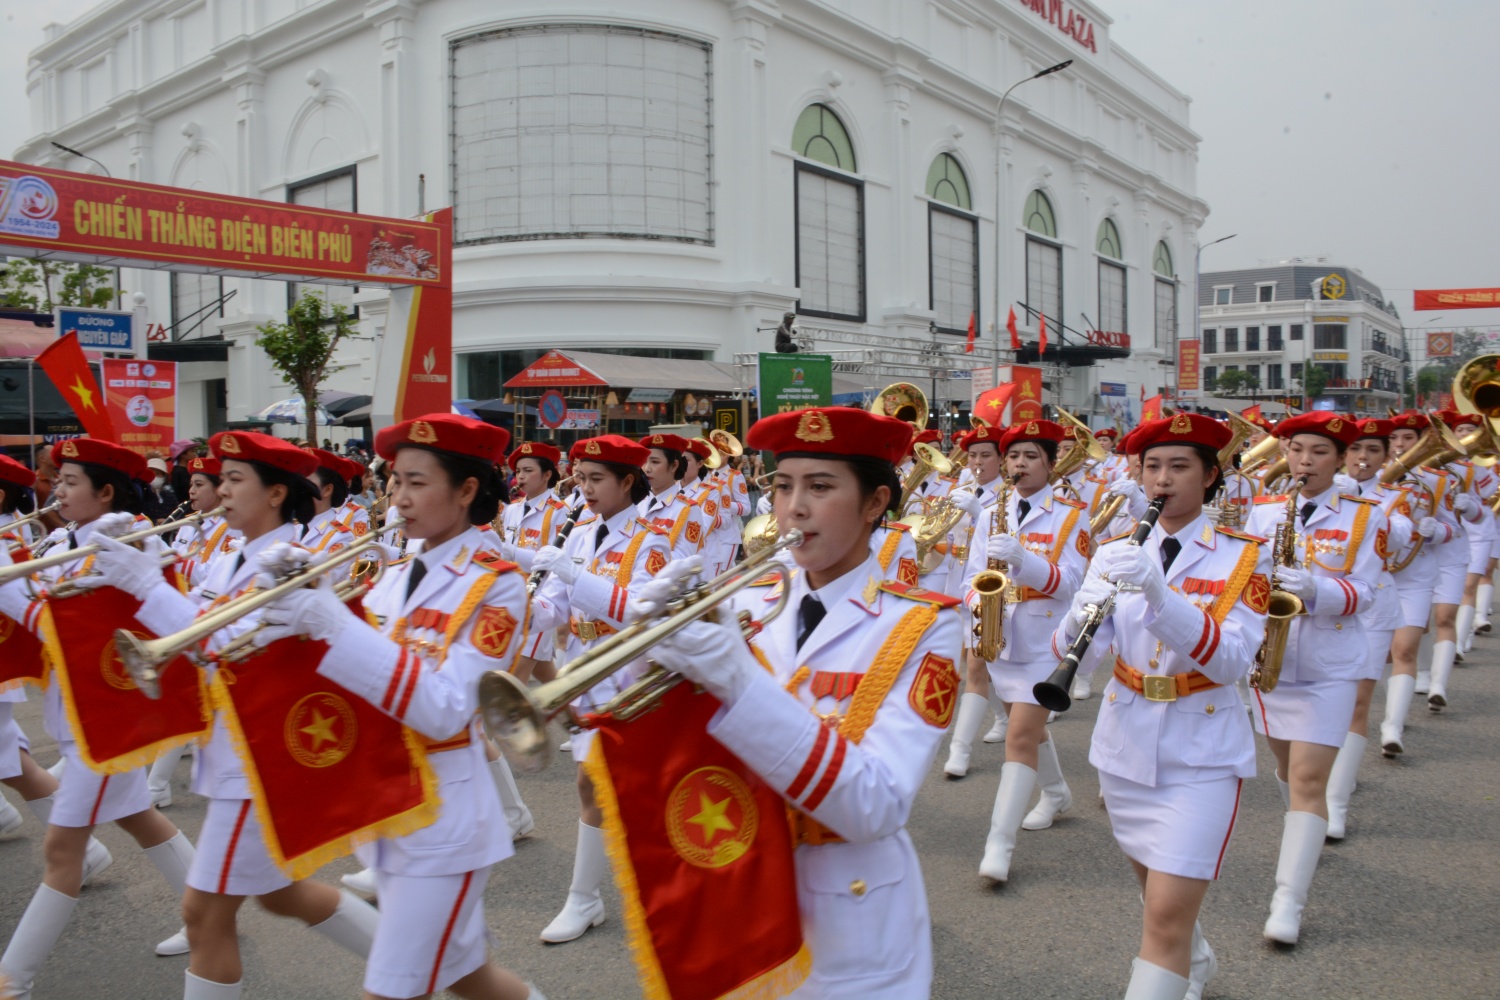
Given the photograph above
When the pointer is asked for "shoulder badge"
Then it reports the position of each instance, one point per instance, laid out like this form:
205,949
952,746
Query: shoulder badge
922,594
360,528
907,571
934,691
767,580
493,629
1257,593
556,504
656,559
1079,504
1242,536
687,499
650,527
1280,499
492,561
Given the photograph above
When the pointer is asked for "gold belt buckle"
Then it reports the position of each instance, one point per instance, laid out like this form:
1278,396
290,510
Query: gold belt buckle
1158,688
961,552
588,631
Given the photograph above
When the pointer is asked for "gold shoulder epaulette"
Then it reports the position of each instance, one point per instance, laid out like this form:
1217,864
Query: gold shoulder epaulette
556,504
1356,499
767,580
1079,504
1242,536
919,594
585,520
492,561
687,500
651,527
1280,499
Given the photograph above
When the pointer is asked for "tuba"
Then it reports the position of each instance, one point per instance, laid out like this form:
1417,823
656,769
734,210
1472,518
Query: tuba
1281,606
1086,449
903,401
991,585
926,460
1437,445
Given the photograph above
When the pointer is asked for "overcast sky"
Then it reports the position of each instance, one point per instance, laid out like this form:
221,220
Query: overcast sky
1364,129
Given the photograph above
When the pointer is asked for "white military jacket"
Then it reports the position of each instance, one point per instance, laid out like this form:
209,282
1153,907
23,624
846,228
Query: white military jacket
1212,624
850,767
1384,613
679,515
1056,536
896,552
336,528
1324,644
532,522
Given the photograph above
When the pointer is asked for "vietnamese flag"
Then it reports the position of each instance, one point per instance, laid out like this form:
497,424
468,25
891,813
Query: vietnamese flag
1151,408
973,330
69,370
1041,335
1015,335
993,404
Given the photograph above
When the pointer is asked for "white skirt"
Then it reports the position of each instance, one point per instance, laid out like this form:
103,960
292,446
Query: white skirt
1416,605
87,798
1450,580
1306,711
1378,642
580,744
538,645
1178,828
13,742
1013,681
232,859
1479,554
431,932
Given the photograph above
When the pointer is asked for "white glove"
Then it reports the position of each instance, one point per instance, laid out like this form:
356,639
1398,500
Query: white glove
1346,485
279,561
711,654
1135,497
115,525
310,611
968,503
1295,580
550,559
1428,527
57,536
652,597
125,567
1007,549
1466,507
1095,590
763,505
1136,567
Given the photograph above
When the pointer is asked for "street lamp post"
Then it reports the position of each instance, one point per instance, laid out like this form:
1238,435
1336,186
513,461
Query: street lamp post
1197,317
999,124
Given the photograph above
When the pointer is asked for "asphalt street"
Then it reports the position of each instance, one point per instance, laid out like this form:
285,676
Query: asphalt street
1407,908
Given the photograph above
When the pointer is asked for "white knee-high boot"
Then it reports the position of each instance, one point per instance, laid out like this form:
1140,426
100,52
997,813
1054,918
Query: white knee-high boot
585,907
194,988
34,938
95,859
517,816
1016,783
1152,982
1465,628
1002,721
1056,797
971,709
352,925
1341,782
1301,843
1442,669
1398,691
1482,598
1204,964
173,858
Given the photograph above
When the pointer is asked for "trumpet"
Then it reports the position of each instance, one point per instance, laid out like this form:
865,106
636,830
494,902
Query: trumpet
516,717
21,570
760,531
145,659
36,515
933,527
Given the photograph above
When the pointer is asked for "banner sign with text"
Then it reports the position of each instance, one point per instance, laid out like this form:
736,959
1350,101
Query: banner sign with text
1026,404
1456,298
793,381
1187,365
141,397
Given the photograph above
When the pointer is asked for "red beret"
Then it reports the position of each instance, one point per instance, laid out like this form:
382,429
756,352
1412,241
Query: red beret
16,474
927,436
698,446
1455,419
105,453
1376,428
1107,432
609,448
333,463
1180,428
445,432
1128,442
979,435
672,442
1330,425
249,446
1259,421
534,449
1032,430
838,432
204,466
1410,420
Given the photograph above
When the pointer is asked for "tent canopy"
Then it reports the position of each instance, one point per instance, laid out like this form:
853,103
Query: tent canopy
586,369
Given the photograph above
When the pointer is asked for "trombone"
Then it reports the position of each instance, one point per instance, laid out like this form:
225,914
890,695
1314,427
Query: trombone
36,515
516,717
21,570
145,659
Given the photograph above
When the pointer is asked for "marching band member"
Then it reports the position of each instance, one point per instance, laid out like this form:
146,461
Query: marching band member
699,486
1385,617
448,615
1305,717
335,523
667,506
1448,592
586,591
1478,485
1045,550
733,502
266,490
1113,465
1171,752
98,487
839,706
530,523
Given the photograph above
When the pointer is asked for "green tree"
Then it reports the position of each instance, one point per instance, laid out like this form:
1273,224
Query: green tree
43,285
302,348
1237,381
1314,381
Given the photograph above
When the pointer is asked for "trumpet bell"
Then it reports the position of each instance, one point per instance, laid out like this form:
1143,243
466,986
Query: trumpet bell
929,456
726,442
1476,387
1438,445
760,531
514,719
903,401
1083,435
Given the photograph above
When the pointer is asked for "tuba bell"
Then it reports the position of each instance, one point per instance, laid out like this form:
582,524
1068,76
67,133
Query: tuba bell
726,443
903,401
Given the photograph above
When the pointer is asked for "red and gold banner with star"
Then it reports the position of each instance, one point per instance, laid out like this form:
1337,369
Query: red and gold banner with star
702,853
327,769
118,729
69,370
21,659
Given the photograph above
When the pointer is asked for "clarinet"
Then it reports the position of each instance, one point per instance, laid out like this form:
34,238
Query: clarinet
537,576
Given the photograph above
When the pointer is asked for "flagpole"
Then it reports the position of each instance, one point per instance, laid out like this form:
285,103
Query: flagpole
31,408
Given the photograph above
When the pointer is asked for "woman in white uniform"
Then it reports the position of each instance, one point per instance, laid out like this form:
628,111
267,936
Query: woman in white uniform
98,486
846,714
530,522
1171,745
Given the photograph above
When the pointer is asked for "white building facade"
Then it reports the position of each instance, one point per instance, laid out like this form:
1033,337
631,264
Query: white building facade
665,180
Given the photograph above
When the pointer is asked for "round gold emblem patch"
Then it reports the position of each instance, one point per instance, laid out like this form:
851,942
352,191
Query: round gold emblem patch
320,730
711,818
112,669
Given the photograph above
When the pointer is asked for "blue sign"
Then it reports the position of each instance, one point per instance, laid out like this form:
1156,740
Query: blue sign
1111,388
98,329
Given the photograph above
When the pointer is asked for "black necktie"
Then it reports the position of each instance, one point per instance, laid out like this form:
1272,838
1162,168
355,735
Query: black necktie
1025,508
600,536
239,560
1169,549
418,570
812,612
1307,511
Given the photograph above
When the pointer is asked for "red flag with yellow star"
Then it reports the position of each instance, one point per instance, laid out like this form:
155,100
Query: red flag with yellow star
69,370
992,406
702,853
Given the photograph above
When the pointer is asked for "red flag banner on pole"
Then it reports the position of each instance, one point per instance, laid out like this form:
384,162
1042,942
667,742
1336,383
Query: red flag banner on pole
973,331
69,370
1015,335
992,406
1041,335
1455,298
1151,408
21,659
694,835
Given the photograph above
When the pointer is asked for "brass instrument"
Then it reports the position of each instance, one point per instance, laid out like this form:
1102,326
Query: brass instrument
1086,449
991,584
1476,387
144,659
903,401
36,515
516,716
715,459
1106,513
21,570
725,442
764,481
1281,607
1437,442
933,528
760,531
925,460
1260,454
1224,511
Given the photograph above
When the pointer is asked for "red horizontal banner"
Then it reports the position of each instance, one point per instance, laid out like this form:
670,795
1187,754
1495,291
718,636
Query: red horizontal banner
554,369
1456,298
100,219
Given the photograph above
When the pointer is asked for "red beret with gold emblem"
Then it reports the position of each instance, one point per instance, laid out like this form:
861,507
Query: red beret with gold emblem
1414,420
1180,428
929,436
204,465
250,446
1107,432
534,449
609,448
699,447
1455,419
1344,430
13,473
837,432
979,435
1373,427
671,442
445,432
92,451
1032,430
333,463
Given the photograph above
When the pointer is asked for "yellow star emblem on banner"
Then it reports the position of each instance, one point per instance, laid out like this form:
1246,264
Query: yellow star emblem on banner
84,393
711,818
321,729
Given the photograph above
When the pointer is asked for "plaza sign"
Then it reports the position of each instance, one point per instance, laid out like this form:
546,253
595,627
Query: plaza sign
1065,18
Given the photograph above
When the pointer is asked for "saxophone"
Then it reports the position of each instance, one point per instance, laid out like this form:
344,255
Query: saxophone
991,584
1281,607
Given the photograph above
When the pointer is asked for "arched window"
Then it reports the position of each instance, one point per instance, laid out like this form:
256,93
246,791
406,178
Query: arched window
1043,260
1161,263
1165,288
830,218
952,247
1113,317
